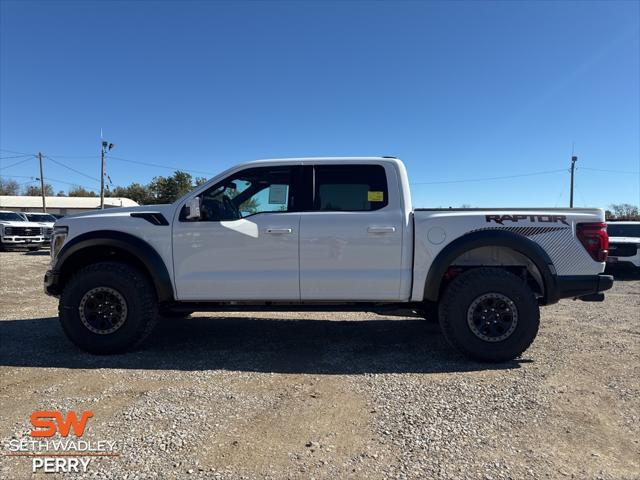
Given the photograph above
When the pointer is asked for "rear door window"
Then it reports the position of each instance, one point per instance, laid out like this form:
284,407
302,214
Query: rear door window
350,188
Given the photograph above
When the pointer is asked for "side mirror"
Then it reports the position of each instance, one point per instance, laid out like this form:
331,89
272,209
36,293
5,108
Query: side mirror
193,208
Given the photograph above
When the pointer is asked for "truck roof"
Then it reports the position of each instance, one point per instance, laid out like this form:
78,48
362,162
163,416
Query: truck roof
295,160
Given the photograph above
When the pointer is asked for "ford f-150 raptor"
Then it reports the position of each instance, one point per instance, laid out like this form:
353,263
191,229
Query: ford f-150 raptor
323,234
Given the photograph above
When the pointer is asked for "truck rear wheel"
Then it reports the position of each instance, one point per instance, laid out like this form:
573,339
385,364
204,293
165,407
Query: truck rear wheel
108,307
489,314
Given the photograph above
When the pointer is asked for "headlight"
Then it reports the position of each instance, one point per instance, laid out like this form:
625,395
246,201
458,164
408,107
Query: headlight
57,240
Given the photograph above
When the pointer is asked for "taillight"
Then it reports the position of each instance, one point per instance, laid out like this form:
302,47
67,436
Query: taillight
595,240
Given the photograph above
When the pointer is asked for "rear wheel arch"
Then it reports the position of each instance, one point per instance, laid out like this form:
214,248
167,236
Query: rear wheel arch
540,265
107,245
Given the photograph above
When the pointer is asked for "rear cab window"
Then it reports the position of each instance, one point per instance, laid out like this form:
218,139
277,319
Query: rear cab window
350,188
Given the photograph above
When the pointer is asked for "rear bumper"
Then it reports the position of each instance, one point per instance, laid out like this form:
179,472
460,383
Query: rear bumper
579,286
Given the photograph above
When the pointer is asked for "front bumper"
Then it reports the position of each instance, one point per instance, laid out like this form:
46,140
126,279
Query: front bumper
634,261
20,240
584,287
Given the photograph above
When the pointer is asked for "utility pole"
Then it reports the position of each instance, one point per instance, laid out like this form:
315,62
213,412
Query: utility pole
42,191
102,152
105,146
574,159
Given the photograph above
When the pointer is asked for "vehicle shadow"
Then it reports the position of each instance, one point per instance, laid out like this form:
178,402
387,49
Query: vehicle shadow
38,253
253,344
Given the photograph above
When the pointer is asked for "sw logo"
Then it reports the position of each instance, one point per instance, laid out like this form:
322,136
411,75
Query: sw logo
43,420
47,424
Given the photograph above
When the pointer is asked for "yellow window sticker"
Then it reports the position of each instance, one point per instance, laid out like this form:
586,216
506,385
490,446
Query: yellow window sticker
375,196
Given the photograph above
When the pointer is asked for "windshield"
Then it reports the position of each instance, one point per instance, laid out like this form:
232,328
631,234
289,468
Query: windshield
14,217
623,230
40,217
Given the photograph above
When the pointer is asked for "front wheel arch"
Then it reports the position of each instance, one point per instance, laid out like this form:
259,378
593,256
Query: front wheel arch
107,245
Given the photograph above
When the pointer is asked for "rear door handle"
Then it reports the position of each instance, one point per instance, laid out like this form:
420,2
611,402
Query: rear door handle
279,231
381,229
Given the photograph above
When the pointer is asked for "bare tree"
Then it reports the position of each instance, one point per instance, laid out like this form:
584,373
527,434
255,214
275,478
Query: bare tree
9,187
624,211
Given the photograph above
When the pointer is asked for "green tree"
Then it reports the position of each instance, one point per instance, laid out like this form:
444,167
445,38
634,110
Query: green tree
169,189
78,191
200,181
136,192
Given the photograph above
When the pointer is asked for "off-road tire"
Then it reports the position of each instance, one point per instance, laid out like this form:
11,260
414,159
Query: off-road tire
132,285
460,295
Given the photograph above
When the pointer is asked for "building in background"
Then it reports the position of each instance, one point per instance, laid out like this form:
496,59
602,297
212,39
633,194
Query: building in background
61,205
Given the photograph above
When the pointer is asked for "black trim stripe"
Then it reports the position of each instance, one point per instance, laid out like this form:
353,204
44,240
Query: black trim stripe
526,231
155,218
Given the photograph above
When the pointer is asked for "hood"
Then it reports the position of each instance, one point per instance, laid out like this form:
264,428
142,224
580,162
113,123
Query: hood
45,224
165,209
15,223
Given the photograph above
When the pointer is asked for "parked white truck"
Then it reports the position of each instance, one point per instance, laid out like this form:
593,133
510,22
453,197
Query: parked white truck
16,231
323,234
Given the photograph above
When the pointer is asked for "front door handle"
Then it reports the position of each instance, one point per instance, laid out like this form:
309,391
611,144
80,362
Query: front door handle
381,229
279,231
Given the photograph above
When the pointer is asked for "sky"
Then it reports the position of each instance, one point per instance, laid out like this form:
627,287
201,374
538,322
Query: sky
463,92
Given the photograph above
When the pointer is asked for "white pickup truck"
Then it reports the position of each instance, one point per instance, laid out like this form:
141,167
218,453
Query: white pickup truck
16,231
323,234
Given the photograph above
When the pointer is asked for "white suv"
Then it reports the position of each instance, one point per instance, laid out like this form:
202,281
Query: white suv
624,243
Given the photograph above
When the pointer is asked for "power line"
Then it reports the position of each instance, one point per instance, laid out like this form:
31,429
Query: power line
17,163
157,165
48,179
610,171
16,156
71,168
18,176
491,178
13,151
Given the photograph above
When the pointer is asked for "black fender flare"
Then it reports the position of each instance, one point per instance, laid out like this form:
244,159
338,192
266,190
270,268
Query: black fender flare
490,238
131,244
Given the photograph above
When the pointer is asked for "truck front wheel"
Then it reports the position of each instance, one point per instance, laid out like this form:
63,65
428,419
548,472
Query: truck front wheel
108,307
489,314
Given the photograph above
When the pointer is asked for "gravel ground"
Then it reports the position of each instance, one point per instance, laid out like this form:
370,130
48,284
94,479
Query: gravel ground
330,395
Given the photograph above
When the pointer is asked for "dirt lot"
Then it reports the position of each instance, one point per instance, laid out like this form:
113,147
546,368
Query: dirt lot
310,395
